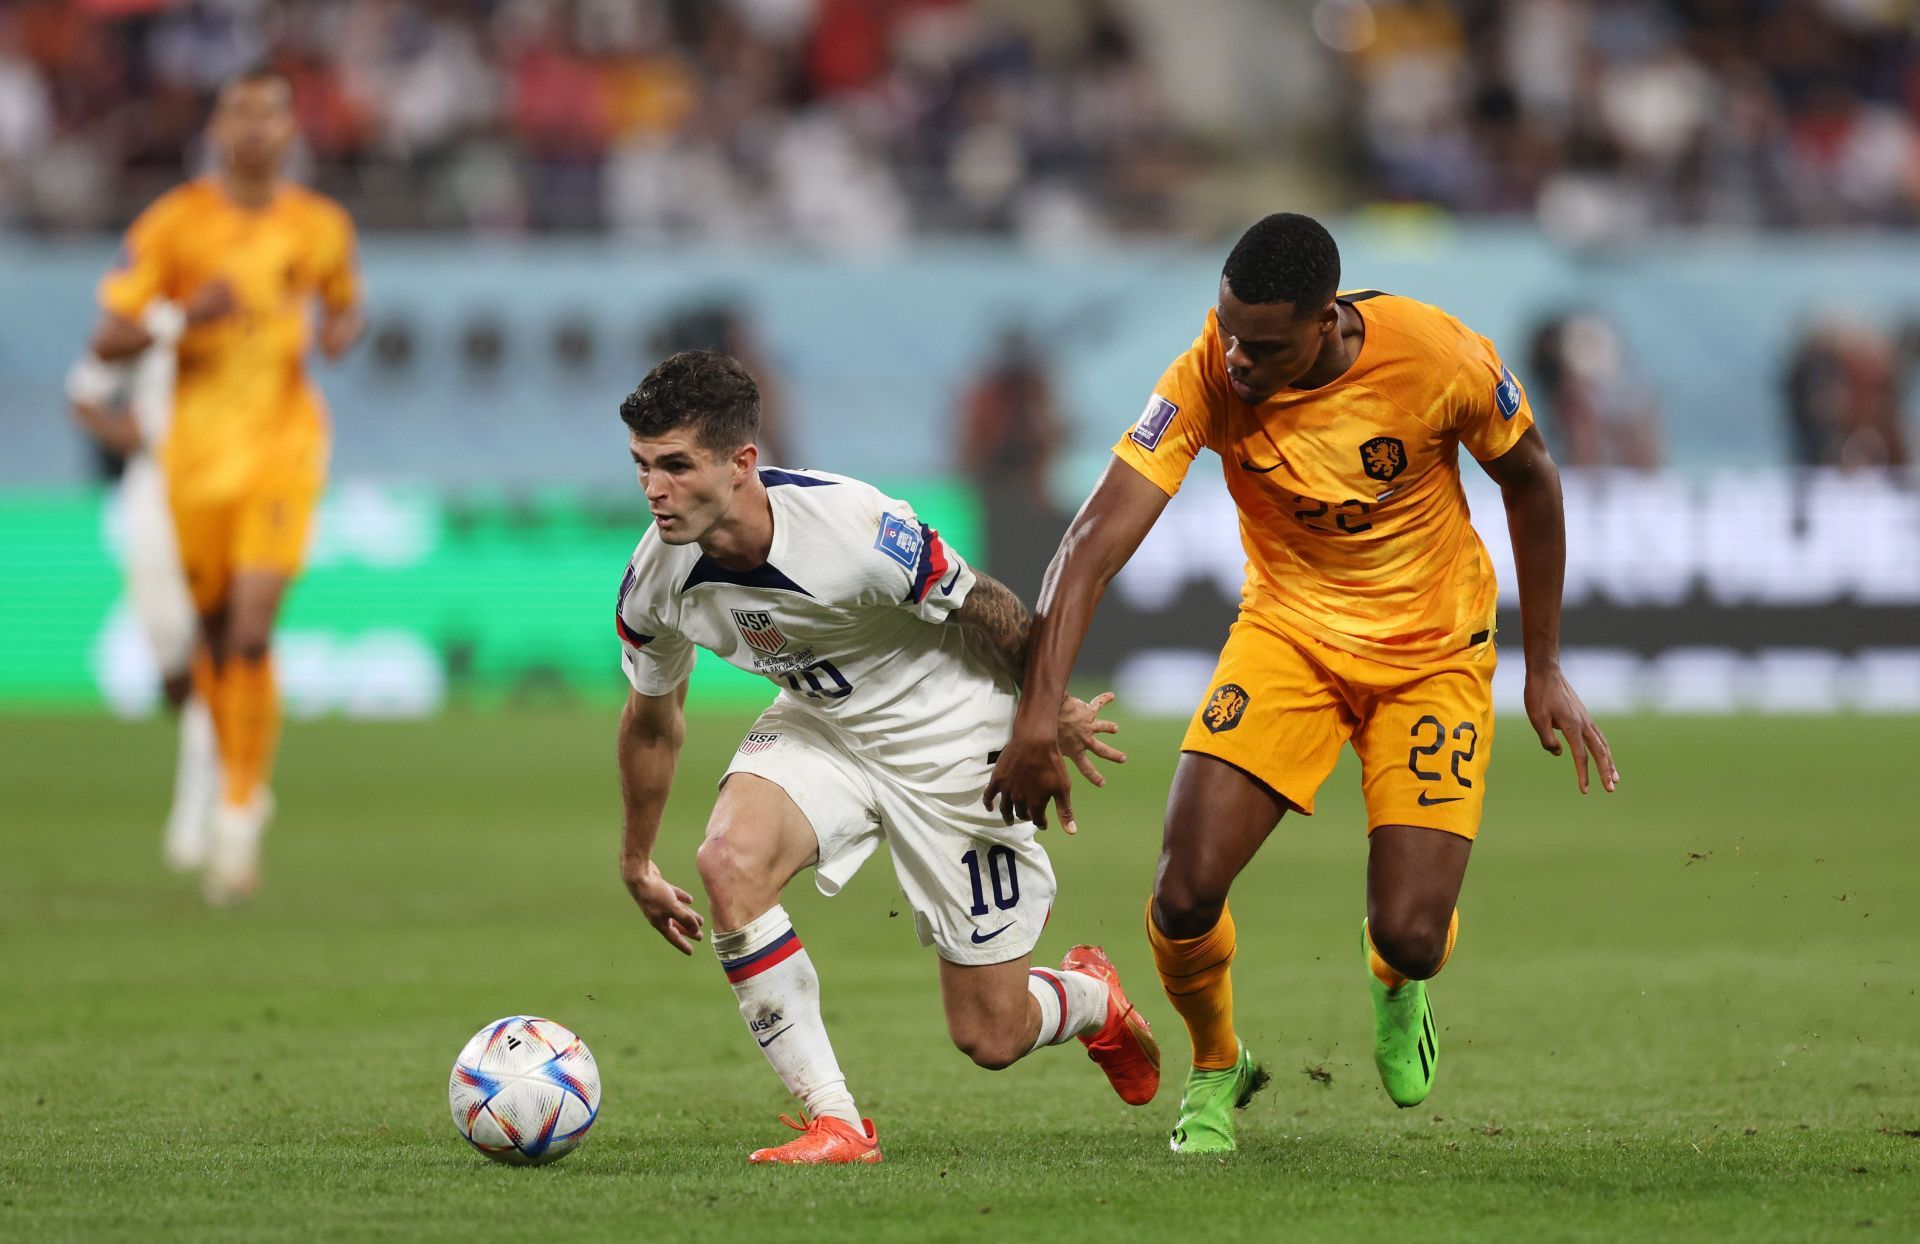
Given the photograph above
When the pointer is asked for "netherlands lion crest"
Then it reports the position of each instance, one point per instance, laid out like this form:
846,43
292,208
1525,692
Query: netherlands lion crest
1383,457
1224,708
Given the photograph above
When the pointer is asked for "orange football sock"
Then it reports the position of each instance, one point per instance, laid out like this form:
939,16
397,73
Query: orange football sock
1197,973
250,727
1385,972
208,685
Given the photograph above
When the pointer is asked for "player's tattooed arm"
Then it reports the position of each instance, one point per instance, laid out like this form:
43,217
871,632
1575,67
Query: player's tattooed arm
652,728
993,612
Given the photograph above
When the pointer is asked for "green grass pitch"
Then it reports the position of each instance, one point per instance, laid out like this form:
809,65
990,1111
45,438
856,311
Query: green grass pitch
1687,1011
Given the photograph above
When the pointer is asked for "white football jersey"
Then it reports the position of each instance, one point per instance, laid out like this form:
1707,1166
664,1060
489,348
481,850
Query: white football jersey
845,618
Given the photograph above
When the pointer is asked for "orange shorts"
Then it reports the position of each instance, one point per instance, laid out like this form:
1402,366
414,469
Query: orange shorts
263,529
1282,705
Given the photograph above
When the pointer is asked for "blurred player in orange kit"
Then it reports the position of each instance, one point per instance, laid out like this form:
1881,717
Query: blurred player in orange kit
244,254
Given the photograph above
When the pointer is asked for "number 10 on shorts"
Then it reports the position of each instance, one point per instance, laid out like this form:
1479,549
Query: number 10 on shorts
1006,891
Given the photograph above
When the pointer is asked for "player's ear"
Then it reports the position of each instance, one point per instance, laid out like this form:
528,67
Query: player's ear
746,459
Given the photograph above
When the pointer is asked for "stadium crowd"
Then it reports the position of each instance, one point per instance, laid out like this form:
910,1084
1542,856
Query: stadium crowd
827,122
1609,117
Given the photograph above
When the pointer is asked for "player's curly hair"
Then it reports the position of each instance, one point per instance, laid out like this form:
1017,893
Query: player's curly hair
704,388
1286,257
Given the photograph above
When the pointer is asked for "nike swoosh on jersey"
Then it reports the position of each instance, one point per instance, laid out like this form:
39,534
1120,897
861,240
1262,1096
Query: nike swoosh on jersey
981,941
946,589
775,1037
1426,802
1248,466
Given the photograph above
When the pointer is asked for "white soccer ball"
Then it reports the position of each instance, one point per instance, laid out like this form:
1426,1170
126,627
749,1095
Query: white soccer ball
524,1091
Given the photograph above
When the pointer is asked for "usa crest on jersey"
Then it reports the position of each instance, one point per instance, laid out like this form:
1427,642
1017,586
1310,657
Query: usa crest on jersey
757,628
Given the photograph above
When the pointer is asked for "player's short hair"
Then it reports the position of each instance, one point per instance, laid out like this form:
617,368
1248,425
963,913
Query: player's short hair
704,389
1286,257
256,75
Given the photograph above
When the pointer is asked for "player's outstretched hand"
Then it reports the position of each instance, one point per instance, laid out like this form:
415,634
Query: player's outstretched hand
1029,775
1080,729
668,908
1553,706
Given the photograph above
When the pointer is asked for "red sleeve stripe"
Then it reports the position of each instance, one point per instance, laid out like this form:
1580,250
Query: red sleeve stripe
628,634
934,563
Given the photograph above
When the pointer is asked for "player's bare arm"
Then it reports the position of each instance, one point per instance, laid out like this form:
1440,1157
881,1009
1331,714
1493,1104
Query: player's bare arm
652,728
339,330
113,430
1530,485
117,339
994,612
1030,773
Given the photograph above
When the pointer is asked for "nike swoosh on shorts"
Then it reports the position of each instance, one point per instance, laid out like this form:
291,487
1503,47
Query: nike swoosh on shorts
981,941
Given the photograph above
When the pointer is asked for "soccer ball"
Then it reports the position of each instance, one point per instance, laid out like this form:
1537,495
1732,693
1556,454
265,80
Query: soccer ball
524,1091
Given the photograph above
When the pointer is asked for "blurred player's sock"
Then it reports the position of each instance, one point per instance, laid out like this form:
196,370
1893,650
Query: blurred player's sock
1391,976
233,849
779,992
249,726
1072,1004
196,784
1197,973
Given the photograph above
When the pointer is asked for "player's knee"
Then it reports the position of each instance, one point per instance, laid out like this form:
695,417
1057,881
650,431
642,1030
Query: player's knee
733,876
1183,909
249,643
995,1051
1414,944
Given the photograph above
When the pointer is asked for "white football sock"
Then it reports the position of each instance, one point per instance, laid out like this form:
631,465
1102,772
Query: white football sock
1072,1004
779,994
196,784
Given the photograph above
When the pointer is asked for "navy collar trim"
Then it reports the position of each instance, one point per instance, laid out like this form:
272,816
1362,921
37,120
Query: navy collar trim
773,477
763,576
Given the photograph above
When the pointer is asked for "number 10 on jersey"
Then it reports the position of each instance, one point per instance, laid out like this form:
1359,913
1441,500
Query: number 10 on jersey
1006,890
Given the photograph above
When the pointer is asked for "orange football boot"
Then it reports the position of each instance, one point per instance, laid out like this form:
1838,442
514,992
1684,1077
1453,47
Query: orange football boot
823,1141
1124,1047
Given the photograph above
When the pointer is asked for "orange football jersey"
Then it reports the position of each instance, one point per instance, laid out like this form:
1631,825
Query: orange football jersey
1351,510
243,406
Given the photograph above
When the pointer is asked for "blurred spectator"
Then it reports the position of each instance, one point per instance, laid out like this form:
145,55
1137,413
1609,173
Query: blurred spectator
1597,411
1844,396
725,327
1009,427
1609,117
832,123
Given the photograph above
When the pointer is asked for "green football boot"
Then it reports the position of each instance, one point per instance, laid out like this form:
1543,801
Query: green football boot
1207,1106
1406,1045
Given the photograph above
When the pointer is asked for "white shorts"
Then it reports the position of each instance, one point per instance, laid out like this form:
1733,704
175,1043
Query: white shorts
156,585
980,890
